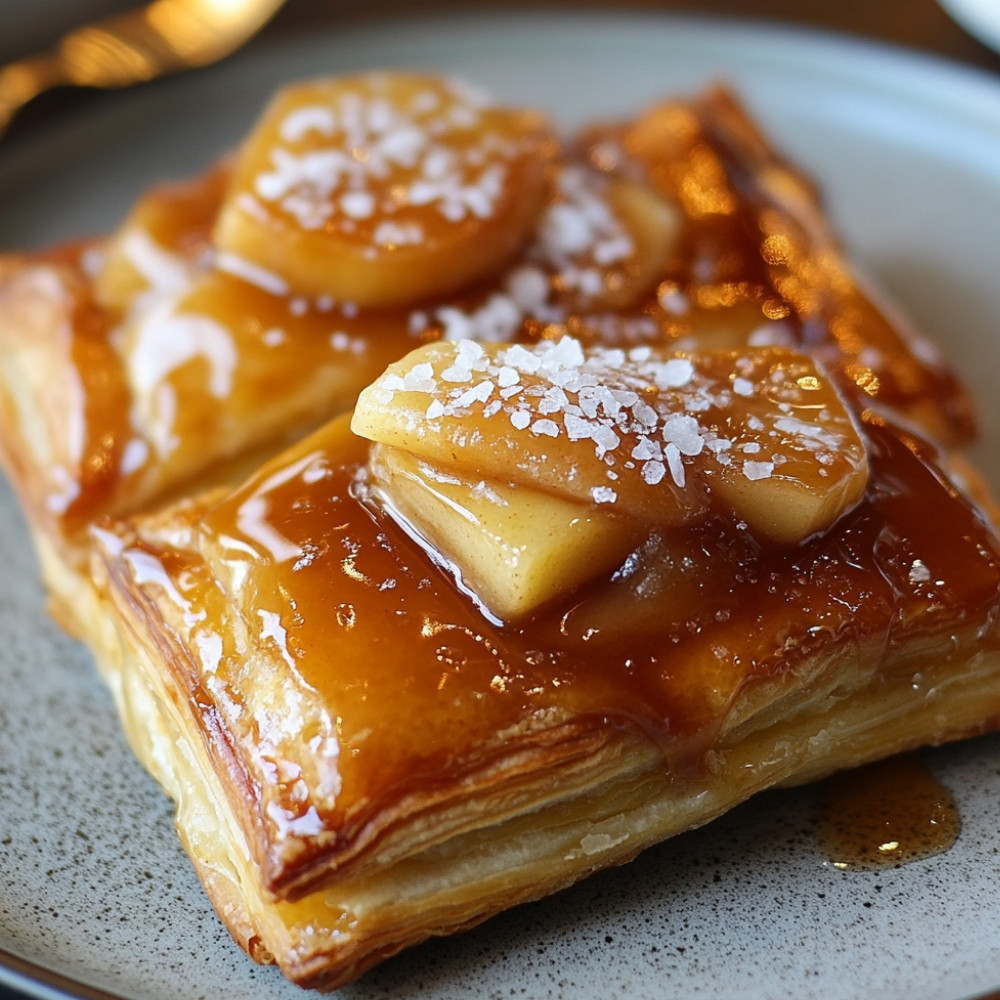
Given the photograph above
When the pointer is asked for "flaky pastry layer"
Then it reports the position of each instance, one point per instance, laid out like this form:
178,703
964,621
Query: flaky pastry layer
418,825
621,800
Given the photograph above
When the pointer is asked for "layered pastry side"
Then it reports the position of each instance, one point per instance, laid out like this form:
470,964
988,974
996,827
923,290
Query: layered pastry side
545,608
638,502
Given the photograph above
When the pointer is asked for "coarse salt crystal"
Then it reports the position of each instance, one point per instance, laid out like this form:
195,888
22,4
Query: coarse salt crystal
479,393
758,470
546,428
676,464
357,204
653,472
674,373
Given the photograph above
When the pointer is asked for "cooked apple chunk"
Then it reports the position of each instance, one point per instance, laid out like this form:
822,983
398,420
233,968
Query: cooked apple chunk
383,189
605,241
514,548
649,437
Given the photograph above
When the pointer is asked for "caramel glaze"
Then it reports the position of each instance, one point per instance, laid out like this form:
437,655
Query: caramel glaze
85,394
326,601
754,250
884,815
757,248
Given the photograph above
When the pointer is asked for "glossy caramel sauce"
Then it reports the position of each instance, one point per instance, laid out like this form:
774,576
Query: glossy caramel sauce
758,247
884,815
171,392
409,686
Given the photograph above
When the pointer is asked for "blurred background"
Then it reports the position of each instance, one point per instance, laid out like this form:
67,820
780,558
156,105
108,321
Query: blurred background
31,26
26,28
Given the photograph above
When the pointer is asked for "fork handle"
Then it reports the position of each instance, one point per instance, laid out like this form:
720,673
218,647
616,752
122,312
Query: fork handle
25,79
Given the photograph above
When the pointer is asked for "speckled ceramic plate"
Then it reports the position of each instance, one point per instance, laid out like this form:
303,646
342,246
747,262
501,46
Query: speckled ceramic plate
96,897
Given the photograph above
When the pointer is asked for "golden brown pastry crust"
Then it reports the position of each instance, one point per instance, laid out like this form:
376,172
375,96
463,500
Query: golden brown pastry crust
559,774
360,758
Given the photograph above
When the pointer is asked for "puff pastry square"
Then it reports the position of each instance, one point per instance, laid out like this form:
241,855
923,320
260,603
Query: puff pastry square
371,735
362,758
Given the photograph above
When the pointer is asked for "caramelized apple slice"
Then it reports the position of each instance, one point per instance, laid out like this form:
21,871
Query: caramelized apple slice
658,435
551,418
796,461
514,548
531,471
383,189
606,241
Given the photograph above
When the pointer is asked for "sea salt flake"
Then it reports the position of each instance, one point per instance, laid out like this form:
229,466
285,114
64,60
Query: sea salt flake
357,204
674,373
528,287
479,393
564,353
457,324
675,464
471,354
554,401
392,382
419,374
646,449
309,118
645,414
507,377
456,373
417,322
546,428
577,428
612,250
684,433
653,472
521,359
755,471
719,445
605,438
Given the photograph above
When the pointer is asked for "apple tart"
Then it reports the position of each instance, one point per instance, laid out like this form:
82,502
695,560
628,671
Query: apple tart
454,510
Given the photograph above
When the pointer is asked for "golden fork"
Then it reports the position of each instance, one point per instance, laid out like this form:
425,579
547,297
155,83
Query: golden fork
164,37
